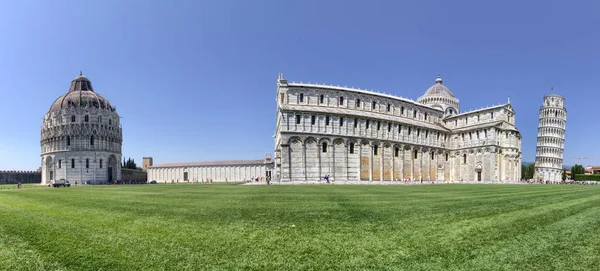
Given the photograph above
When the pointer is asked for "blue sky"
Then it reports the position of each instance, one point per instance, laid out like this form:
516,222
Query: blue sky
196,80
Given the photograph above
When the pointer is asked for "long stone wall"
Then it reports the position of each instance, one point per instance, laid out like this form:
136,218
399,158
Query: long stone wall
13,177
134,175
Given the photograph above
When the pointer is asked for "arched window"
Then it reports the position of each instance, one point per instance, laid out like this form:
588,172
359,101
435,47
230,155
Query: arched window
87,163
341,121
414,114
464,158
389,107
100,119
425,115
373,105
72,163
324,146
446,157
432,155
301,97
100,163
367,126
375,149
357,103
341,100
396,151
351,147
92,140
321,99
416,154
68,140
87,118
402,110
109,121
73,118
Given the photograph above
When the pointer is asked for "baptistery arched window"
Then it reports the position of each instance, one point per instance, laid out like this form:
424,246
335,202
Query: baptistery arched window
301,98
324,146
109,121
87,118
68,140
73,118
321,98
92,140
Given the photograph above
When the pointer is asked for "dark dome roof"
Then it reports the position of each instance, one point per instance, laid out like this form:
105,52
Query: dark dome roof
81,94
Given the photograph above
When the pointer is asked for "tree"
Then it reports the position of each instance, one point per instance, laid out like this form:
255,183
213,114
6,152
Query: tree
577,169
564,175
129,163
523,172
530,171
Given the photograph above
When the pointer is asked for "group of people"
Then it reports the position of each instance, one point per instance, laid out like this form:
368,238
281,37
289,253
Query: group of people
532,181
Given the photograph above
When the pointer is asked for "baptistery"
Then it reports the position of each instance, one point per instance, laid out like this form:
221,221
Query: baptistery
81,137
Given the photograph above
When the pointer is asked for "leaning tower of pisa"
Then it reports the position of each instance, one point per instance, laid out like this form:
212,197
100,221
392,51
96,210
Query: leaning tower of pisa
551,139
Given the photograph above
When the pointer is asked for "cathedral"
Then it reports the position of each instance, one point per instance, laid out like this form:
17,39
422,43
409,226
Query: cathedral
357,135
81,137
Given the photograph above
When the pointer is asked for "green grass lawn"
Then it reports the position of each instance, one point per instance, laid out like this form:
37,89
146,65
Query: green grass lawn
207,227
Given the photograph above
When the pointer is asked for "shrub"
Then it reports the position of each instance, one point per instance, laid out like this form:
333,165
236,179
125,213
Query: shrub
583,177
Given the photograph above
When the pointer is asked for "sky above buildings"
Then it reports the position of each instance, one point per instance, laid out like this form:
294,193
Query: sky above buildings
196,80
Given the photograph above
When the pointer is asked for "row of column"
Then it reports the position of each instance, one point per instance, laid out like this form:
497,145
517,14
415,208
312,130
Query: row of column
374,162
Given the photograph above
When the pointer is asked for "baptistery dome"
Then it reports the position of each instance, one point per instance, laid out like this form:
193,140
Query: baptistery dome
439,96
81,94
81,137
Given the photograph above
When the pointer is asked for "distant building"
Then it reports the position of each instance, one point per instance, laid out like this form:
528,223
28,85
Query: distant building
217,171
81,137
147,162
592,170
551,139
359,135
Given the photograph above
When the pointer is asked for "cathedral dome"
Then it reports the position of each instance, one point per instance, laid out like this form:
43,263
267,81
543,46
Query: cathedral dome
81,94
440,97
438,90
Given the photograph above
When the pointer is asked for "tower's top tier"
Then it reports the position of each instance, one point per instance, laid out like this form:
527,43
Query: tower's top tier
554,100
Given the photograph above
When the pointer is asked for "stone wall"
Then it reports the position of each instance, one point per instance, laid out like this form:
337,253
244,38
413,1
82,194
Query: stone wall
13,177
134,174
